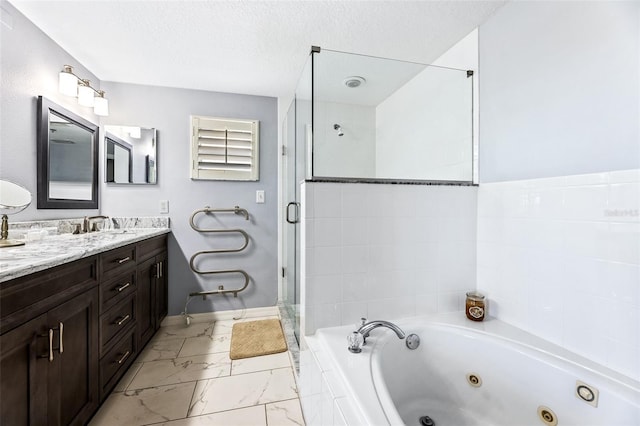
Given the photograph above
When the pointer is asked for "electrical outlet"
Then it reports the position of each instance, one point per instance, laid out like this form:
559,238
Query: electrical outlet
164,206
260,196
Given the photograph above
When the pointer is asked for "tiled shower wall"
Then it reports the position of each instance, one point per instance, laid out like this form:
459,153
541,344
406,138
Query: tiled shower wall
384,251
560,257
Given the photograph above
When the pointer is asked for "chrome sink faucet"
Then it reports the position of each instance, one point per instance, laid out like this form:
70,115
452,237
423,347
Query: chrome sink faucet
86,224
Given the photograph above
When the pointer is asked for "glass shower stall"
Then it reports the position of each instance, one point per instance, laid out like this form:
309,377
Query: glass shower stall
364,119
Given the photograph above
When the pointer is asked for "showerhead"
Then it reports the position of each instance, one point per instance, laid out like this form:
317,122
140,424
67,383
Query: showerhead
339,129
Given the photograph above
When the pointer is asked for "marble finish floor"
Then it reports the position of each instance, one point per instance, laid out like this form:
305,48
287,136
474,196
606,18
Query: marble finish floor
184,377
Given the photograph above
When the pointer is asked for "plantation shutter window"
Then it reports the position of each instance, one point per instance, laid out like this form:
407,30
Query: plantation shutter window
224,149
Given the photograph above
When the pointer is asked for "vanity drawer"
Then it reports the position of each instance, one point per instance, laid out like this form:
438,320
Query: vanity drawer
116,321
26,297
118,260
151,247
115,362
116,289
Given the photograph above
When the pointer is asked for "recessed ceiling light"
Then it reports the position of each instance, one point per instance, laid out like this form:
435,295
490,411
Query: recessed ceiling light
354,81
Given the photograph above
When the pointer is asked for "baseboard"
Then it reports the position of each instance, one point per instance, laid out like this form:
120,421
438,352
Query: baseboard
222,315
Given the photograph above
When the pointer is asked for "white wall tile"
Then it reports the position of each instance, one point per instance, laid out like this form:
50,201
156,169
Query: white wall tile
327,200
354,201
327,232
353,311
380,200
354,231
380,229
395,241
623,204
585,202
566,268
328,315
327,260
323,289
624,176
624,242
354,286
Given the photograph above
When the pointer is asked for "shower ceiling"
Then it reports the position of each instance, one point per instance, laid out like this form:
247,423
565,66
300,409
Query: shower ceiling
251,47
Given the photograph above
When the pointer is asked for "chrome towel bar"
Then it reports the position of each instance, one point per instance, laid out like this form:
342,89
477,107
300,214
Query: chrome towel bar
194,268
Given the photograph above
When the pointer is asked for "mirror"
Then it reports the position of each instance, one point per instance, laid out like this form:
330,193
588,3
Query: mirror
13,199
383,119
130,155
67,159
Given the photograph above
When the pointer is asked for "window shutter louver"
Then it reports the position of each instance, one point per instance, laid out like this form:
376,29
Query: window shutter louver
224,149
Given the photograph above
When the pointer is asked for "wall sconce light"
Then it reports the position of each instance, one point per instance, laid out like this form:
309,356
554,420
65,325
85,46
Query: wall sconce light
70,84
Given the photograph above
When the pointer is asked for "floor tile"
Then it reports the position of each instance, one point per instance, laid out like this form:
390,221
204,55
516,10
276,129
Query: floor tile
244,390
250,416
162,349
124,382
182,331
260,363
206,345
225,326
180,370
145,406
285,413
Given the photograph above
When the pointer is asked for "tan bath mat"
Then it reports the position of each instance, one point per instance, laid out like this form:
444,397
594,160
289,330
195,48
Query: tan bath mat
255,338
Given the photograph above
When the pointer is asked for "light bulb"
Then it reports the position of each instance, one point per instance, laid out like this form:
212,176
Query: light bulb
67,82
101,104
85,94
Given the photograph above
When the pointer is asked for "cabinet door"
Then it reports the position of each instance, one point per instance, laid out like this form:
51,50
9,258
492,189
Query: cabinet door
73,375
147,272
23,371
162,290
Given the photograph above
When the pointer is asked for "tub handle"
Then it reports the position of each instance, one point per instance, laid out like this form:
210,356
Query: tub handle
412,341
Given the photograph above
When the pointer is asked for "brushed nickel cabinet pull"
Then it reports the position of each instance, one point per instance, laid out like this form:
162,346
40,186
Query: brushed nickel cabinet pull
125,259
61,331
122,287
51,345
124,357
123,320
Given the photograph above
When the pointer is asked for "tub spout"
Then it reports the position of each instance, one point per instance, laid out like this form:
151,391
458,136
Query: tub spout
366,328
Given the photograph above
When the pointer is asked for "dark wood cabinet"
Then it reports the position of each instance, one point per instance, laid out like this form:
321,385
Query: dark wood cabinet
23,366
73,373
69,333
49,365
152,287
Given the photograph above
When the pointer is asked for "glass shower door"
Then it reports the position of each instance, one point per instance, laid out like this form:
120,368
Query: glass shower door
291,287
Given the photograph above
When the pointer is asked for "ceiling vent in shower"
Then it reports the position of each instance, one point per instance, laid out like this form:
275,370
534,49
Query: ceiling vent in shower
354,81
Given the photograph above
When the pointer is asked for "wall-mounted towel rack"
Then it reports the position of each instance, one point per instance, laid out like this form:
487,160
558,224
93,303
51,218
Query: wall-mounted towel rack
221,289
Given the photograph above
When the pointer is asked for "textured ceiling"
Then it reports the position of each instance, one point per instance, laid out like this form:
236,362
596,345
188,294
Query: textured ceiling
251,47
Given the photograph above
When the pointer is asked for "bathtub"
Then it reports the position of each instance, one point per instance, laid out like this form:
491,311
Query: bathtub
463,373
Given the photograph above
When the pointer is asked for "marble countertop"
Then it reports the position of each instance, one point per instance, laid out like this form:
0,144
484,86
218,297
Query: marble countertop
56,250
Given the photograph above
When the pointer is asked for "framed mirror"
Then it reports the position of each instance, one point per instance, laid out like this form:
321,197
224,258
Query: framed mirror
130,155
67,159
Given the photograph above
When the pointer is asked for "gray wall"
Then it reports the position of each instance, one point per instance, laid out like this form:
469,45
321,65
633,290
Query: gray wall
29,67
168,110
559,89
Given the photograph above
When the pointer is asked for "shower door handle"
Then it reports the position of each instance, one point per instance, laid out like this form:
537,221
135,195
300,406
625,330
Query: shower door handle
295,219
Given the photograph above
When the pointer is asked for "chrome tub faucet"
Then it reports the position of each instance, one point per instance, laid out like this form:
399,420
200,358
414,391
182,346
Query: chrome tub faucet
359,337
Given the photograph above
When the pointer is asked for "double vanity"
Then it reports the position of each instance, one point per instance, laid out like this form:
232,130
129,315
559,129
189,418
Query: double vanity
75,311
